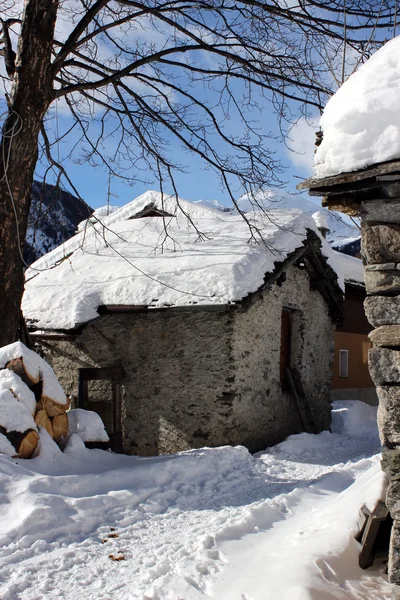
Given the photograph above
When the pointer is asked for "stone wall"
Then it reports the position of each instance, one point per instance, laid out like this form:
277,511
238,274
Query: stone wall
208,378
267,412
381,254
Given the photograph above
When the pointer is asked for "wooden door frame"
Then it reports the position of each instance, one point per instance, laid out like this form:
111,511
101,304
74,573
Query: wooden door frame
115,375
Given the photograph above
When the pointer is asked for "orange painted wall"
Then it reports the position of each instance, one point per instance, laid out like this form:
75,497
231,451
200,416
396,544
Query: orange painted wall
358,345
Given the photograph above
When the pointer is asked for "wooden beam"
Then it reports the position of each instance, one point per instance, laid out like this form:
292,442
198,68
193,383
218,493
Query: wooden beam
351,176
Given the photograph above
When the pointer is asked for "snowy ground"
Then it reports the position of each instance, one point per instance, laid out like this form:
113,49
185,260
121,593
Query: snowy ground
211,523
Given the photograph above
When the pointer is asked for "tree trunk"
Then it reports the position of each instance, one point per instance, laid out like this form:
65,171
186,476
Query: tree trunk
31,95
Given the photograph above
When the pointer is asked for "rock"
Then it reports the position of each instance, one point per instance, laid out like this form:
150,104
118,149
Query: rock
392,498
394,554
386,335
386,211
382,310
395,592
389,415
391,466
380,243
391,463
382,281
384,365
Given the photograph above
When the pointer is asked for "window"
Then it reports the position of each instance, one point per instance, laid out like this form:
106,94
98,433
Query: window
343,363
100,391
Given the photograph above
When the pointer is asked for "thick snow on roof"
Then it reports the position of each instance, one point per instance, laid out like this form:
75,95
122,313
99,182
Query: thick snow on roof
361,122
276,198
351,268
124,262
99,213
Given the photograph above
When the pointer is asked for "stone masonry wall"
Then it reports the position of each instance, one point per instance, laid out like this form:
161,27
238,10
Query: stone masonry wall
177,366
202,378
267,412
381,254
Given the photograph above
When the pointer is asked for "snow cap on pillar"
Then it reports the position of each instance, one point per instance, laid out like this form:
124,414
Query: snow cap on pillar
361,122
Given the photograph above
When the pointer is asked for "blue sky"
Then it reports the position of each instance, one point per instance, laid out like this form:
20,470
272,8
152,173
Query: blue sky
197,182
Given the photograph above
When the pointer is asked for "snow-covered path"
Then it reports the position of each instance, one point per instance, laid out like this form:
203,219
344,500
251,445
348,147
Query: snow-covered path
211,523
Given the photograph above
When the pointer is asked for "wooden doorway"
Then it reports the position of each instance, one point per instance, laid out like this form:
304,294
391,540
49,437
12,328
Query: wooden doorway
100,391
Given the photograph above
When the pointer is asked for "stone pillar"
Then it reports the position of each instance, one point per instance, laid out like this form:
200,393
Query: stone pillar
381,255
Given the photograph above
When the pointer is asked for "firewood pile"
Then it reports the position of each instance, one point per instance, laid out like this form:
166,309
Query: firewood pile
30,397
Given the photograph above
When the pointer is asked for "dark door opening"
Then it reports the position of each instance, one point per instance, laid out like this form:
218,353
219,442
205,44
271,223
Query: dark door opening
100,391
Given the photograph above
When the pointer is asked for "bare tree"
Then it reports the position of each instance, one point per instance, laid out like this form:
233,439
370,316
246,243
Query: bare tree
137,75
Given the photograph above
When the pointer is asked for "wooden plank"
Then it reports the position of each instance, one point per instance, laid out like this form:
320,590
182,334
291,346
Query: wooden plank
113,373
378,515
362,522
296,399
301,402
305,405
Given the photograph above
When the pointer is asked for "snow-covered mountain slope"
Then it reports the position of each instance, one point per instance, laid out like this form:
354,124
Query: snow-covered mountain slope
339,227
350,246
53,218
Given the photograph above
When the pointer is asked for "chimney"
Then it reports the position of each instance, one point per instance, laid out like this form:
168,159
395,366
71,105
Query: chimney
321,221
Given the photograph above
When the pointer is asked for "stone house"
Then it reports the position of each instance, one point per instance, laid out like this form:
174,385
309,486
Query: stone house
215,341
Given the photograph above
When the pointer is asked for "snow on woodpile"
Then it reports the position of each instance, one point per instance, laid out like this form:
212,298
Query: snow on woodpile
33,404
31,398
361,122
127,260
34,369
14,415
6,446
88,425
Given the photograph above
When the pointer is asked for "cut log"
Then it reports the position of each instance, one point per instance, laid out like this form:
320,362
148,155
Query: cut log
24,443
17,365
53,408
60,426
28,444
42,420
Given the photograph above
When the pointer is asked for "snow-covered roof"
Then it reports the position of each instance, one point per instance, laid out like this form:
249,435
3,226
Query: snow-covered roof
351,268
99,213
130,261
338,225
361,122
